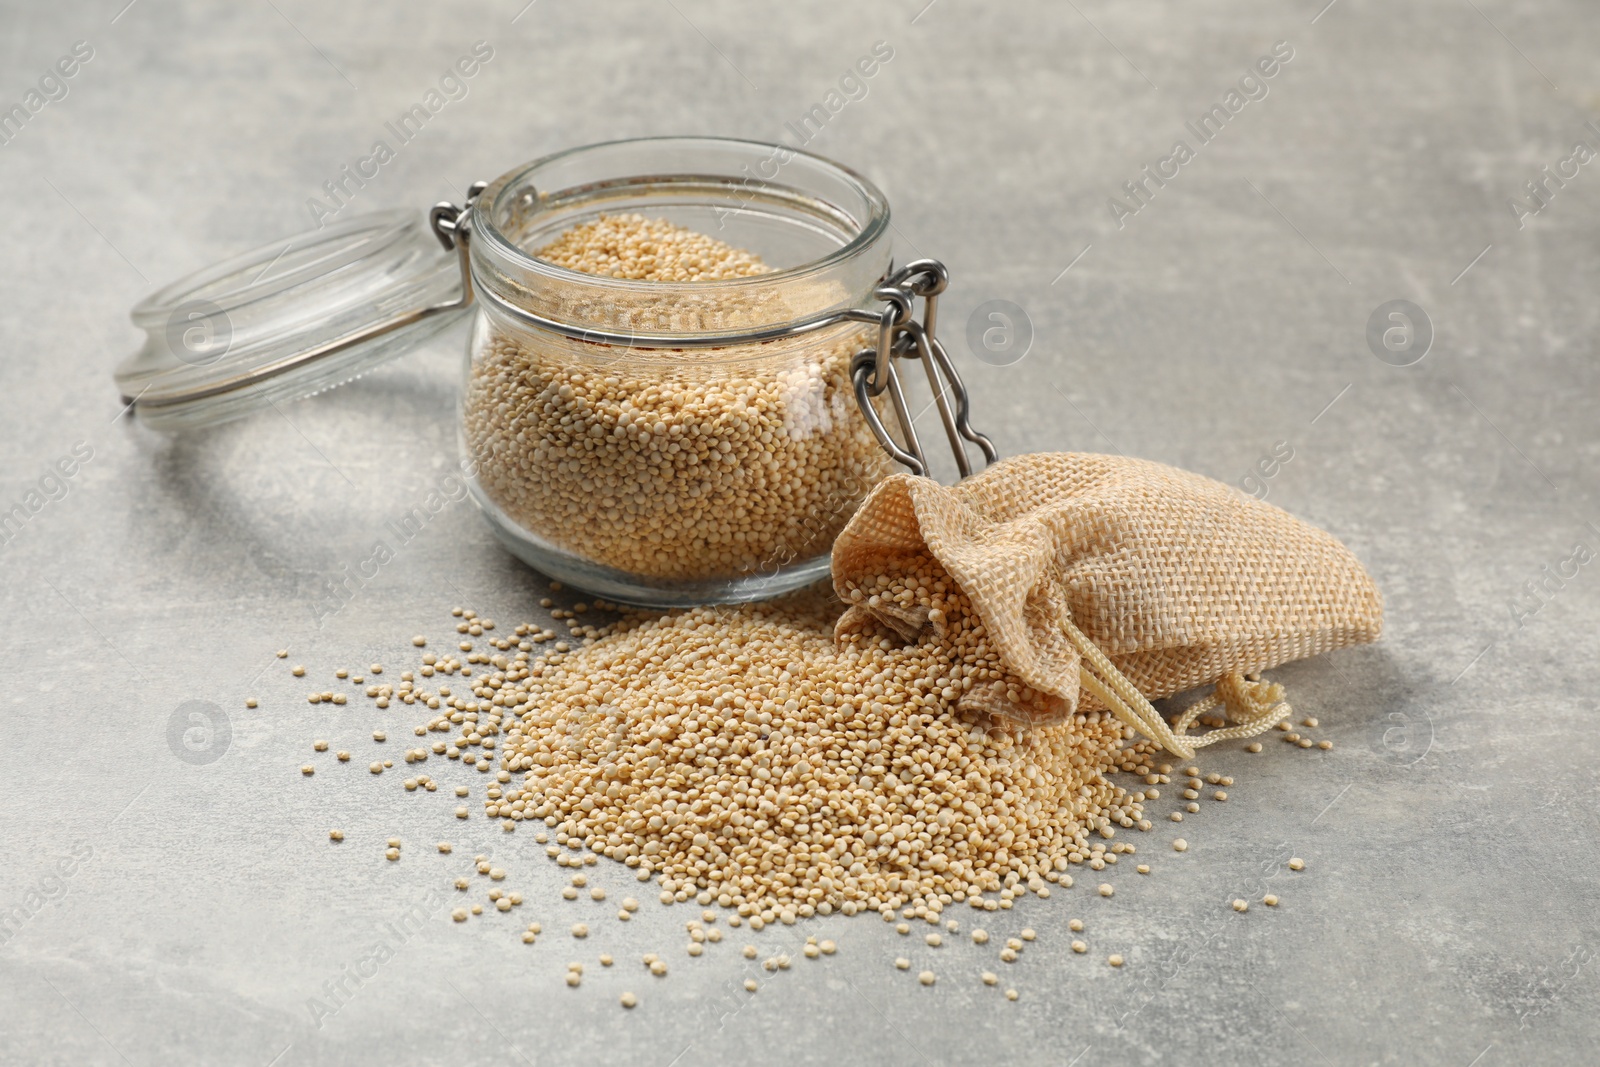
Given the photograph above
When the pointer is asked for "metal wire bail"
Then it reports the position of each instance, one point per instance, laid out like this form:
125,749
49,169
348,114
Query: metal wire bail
900,335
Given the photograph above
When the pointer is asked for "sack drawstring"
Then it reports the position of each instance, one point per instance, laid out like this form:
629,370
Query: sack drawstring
1254,706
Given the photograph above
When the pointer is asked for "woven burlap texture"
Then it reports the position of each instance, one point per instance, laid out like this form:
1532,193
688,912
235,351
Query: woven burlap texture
1180,580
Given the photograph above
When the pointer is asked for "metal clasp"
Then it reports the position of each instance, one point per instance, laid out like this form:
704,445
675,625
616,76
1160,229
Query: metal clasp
452,225
872,371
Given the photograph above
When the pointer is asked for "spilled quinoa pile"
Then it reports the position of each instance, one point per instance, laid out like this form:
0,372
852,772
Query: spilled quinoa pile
772,764
749,755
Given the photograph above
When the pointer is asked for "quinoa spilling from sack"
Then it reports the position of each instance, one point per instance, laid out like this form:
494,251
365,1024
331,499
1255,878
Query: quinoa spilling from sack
749,754
680,465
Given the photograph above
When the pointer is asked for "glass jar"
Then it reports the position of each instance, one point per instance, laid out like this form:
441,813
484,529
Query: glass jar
659,443
685,464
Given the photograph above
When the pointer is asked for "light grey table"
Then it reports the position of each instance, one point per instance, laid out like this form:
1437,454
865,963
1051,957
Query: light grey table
1447,913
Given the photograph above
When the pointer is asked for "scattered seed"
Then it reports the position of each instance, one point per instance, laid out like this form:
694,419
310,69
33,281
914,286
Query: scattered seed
1106,889
1240,904
926,978
1270,900
336,835
1296,863
1115,961
1180,845
1079,946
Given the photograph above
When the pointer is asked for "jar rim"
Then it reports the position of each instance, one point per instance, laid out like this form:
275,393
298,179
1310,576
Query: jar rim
871,230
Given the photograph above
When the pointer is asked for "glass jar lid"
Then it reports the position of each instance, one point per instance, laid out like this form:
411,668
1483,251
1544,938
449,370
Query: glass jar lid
290,319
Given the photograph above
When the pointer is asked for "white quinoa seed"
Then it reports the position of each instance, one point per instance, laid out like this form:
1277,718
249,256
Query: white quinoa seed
926,978
1296,863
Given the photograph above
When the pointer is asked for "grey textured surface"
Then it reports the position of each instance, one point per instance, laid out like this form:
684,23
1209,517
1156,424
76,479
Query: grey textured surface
1447,914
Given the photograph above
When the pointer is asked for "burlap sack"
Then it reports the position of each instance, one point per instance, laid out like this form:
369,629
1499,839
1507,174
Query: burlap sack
1107,582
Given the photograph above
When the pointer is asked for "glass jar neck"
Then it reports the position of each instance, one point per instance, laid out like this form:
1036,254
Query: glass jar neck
821,228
